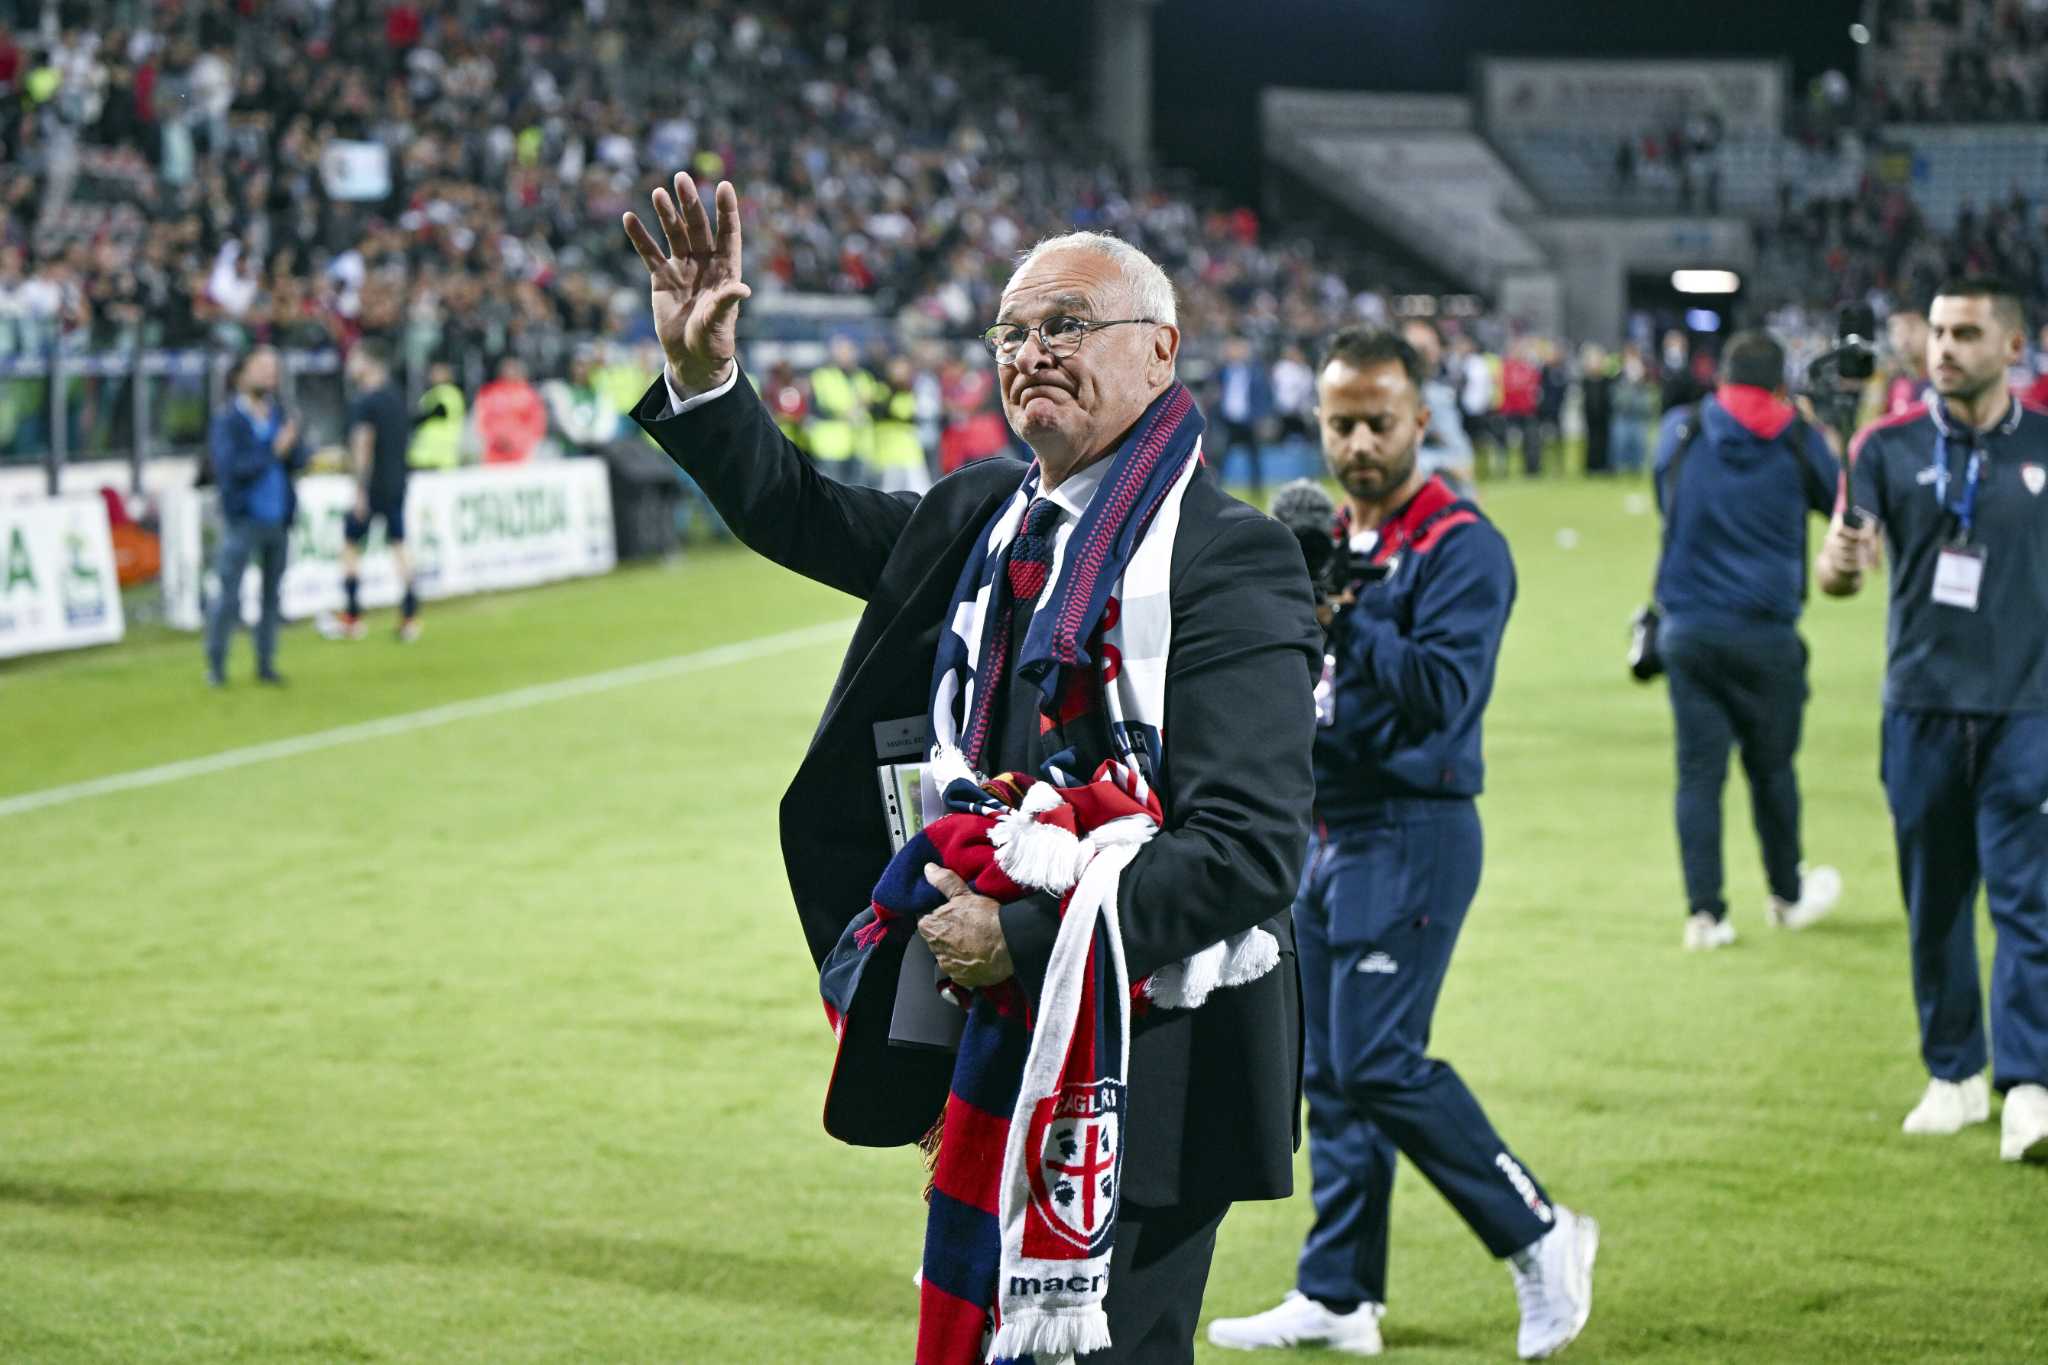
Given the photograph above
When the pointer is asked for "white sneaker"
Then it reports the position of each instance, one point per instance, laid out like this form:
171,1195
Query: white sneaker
1301,1321
2025,1125
1704,933
339,625
1950,1107
1554,1284
1819,889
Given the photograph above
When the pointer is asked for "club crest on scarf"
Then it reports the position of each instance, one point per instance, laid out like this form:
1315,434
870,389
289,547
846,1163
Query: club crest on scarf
1077,1147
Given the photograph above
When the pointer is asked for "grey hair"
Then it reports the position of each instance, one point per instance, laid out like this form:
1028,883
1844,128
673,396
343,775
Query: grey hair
1151,293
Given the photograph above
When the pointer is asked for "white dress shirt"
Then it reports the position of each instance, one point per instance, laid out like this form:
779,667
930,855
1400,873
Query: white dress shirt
678,405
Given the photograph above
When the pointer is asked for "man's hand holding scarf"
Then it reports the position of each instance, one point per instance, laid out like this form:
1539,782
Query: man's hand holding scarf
965,934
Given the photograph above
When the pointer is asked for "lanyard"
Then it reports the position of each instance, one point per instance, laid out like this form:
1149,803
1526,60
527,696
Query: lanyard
1964,509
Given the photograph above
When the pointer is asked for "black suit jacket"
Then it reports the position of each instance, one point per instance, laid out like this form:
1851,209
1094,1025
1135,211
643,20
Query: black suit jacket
1214,1092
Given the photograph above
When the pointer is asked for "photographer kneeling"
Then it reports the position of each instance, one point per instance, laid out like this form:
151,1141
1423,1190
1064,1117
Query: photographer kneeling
1737,476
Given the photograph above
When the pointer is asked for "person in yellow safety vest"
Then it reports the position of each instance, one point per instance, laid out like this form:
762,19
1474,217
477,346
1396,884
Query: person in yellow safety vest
622,381
437,422
899,461
624,377
840,438
788,402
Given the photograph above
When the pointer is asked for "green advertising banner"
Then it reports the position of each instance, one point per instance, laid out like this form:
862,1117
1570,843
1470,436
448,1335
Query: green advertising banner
470,530
58,589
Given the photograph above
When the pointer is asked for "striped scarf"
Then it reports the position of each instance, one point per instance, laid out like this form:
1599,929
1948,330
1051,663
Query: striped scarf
1026,1186
1121,554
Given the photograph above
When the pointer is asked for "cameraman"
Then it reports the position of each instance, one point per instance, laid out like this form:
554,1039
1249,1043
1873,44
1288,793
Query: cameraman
1736,477
1392,868
1959,490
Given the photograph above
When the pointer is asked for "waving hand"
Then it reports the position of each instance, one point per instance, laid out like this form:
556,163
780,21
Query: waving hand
693,280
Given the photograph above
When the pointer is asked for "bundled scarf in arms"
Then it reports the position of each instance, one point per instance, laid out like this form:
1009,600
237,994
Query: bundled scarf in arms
1028,1117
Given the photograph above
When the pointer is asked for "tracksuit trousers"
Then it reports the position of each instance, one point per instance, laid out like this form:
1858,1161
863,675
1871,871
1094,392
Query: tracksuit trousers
1741,687
1969,799
1376,919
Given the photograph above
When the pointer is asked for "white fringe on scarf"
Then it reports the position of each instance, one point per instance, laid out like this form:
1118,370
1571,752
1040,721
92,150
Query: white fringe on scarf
1059,1324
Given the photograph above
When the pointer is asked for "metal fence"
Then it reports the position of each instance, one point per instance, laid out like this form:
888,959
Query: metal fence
142,405
137,403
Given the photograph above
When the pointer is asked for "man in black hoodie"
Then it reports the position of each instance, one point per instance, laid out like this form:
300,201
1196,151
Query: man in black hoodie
1737,475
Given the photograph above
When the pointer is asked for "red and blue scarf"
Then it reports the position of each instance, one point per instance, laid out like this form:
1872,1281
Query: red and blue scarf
1058,653
1027,1177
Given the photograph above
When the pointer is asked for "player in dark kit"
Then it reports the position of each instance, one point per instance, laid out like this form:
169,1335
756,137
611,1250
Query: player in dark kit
1958,488
379,431
1393,865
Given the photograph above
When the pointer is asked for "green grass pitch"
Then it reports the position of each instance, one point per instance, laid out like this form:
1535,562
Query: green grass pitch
497,1042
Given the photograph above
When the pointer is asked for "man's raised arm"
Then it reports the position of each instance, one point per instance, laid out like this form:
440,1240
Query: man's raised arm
771,496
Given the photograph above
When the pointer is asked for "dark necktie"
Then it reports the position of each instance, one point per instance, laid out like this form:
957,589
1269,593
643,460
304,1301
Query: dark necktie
1031,552
1028,564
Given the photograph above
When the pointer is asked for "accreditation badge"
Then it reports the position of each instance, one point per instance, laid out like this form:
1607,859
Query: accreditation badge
1958,575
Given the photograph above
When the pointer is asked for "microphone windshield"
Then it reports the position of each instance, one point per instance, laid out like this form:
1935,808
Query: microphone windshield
1305,509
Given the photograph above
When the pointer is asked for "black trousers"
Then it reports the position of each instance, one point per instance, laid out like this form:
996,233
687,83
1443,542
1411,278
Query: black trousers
1528,433
1742,687
1599,427
1157,1273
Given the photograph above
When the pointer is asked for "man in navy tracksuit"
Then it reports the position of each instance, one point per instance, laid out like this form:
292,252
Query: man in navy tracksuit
255,450
1736,478
1959,488
1392,869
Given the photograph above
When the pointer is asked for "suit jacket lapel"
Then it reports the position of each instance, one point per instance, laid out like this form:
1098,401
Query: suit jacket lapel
921,611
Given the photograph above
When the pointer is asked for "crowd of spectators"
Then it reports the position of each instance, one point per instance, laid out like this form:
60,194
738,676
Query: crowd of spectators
1876,246
450,173
1991,67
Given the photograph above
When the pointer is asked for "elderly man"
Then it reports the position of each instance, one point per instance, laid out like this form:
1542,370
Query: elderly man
1085,347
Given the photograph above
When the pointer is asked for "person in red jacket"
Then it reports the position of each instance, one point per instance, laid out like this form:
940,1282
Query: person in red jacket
510,416
1521,395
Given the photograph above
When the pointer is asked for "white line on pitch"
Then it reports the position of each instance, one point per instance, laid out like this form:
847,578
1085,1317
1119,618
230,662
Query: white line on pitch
497,703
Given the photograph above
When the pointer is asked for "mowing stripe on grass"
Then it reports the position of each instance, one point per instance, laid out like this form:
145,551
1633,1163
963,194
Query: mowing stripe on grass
497,703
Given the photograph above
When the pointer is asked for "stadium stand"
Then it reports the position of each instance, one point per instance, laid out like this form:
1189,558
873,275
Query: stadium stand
1960,61
312,173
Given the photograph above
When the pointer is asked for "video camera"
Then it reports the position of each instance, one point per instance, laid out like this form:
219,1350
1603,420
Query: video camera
1333,566
1834,378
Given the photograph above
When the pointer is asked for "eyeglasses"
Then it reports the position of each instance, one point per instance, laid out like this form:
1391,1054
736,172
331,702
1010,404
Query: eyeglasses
1060,334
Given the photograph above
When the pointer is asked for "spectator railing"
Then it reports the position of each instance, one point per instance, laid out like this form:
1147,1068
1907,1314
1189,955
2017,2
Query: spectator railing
141,404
